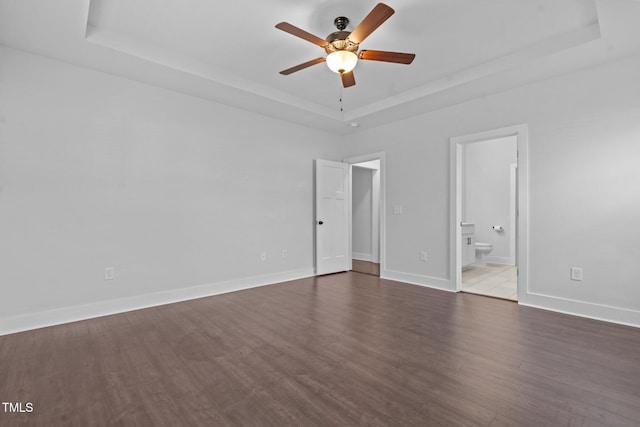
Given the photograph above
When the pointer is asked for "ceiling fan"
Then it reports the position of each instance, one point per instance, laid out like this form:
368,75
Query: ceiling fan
342,46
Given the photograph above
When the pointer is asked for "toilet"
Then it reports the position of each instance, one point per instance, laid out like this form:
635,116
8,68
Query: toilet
482,250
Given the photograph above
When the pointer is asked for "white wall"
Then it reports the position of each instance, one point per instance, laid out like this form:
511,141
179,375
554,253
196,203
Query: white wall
362,218
487,193
584,130
172,191
176,192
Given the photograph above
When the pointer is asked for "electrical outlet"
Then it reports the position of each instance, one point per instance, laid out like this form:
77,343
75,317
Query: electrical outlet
576,273
397,209
263,255
423,256
284,253
109,273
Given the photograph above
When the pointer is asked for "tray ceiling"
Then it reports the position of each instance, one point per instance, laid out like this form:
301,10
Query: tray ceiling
232,54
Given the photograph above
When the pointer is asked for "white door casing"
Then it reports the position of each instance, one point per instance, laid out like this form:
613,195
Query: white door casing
522,203
332,217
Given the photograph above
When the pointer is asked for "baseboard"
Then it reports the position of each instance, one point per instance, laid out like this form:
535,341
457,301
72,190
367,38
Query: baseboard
499,260
19,323
25,322
417,279
362,257
545,302
589,310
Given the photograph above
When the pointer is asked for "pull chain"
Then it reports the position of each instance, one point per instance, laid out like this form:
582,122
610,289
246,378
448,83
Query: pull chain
341,110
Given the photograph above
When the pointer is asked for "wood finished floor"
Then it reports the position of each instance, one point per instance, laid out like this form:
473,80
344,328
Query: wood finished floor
365,267
339,350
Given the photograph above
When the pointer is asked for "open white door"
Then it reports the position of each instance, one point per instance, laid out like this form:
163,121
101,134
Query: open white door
332,217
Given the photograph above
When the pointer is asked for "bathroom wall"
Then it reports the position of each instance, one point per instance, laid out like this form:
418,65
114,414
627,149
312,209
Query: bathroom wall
362,192
487,194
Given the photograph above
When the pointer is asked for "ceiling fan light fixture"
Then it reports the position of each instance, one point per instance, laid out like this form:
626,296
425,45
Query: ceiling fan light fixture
342,61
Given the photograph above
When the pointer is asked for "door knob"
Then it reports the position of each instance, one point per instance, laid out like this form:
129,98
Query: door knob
320,222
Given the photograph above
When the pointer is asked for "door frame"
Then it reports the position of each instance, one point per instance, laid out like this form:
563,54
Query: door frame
381,205
374,211
521,131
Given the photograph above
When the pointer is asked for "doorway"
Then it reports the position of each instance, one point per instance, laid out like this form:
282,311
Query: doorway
489,213
367,213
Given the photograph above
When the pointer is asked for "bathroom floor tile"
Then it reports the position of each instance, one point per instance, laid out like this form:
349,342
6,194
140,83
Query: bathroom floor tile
481,286
496,280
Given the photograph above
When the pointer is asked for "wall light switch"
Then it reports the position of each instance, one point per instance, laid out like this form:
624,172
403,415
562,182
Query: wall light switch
109,273
263,255
576,273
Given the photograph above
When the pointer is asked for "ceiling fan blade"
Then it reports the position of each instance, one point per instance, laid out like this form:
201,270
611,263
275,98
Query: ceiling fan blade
348,79
302,66
381,55
380,13
292,29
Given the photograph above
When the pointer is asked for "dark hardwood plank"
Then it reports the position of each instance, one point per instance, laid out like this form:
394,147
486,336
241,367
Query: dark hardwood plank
346,349
365,267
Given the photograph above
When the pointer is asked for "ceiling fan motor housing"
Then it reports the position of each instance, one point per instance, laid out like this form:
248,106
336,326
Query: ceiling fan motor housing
338,41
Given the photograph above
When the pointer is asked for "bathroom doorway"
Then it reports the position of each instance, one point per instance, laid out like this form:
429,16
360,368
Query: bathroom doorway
488,200
366,213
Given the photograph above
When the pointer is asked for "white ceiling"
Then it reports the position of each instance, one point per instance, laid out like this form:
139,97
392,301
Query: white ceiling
232,53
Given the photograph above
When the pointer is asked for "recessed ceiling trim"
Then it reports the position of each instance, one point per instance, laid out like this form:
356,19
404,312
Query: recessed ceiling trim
195,48
549,46
182,63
